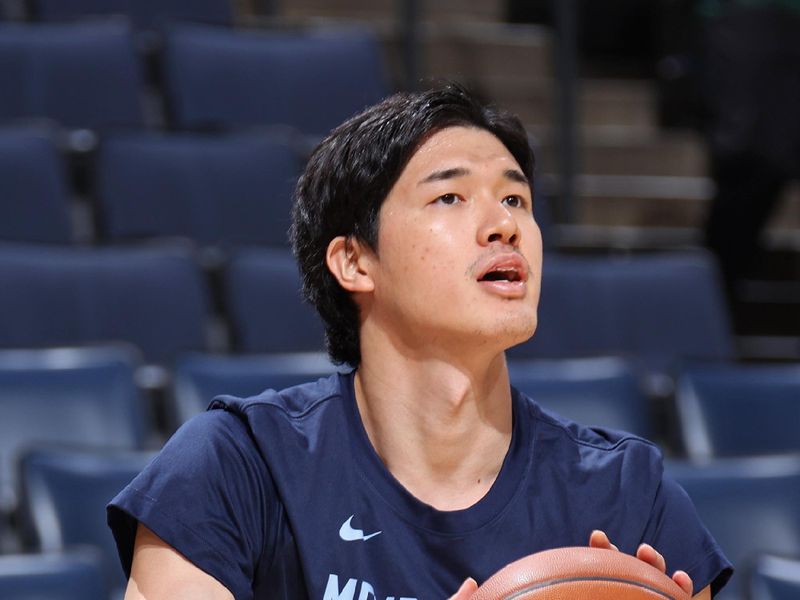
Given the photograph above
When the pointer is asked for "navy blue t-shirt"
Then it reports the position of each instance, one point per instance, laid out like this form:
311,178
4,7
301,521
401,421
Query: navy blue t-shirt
283,496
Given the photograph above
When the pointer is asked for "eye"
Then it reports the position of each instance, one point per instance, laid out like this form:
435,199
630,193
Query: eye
447,199
514,201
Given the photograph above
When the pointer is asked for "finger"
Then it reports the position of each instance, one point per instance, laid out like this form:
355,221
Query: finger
466,590
599,539
649,555
684,581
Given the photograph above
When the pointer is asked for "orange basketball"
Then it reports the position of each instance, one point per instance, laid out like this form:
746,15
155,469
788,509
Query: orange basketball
580,573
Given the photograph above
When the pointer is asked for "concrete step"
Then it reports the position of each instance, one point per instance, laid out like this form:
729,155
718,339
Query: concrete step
615,105
665,154
605,152
491,55
659,202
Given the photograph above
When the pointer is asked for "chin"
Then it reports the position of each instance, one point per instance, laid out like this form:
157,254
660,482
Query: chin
514,329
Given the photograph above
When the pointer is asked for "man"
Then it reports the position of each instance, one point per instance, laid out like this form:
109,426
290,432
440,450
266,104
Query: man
422,470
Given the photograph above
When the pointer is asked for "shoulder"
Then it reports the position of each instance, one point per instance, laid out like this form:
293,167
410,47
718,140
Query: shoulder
294,402
592,447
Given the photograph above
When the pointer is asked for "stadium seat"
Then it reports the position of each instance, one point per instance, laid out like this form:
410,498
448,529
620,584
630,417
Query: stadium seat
153,298
53,576
35,201
83,75
144,14
64,498
311,80
265,305
84,396
750,505
198,378
739,410
775,578
657,309
214,190
601,392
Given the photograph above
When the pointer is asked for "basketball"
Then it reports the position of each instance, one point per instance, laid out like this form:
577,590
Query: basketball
580,573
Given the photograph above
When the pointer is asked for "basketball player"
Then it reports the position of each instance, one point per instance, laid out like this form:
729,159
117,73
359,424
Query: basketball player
414,230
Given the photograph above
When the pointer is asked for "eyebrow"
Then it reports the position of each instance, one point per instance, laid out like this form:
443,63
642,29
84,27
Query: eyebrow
445,174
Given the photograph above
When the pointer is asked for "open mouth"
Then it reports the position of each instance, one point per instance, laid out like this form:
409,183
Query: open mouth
502,274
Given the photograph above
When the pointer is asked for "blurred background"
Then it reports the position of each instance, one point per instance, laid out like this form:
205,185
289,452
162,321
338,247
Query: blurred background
148,150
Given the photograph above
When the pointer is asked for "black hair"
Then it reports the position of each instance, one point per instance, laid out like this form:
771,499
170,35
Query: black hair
350,174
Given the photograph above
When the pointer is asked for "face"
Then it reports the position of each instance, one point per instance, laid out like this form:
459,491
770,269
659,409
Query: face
459,253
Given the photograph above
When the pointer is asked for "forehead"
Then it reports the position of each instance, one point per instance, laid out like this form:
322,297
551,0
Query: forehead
469,147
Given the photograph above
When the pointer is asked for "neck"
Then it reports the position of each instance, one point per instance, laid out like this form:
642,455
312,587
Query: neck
441,428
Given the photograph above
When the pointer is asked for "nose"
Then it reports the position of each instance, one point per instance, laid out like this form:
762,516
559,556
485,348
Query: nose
498,225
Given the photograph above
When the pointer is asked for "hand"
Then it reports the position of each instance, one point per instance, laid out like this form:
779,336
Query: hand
466,590
648,554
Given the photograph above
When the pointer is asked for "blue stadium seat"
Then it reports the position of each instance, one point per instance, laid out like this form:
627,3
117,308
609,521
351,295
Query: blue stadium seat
658,309
750,505
775,578
81,396
153,298
198,378
593,391
65,493
144,14
311,81
35,201
53,576
214,190
84,75
739,410
265,305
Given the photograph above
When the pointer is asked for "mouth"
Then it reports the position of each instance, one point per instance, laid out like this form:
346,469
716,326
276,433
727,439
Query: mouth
504,276
510,274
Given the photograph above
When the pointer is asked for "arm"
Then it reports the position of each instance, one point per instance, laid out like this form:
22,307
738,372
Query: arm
159,572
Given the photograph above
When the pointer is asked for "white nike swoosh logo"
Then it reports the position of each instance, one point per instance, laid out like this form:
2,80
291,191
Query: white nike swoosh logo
350,534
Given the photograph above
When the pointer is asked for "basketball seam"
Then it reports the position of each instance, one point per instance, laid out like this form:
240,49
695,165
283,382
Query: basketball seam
550,582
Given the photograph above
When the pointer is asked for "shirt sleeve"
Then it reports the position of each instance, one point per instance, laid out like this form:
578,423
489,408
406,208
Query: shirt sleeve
207,494
675,530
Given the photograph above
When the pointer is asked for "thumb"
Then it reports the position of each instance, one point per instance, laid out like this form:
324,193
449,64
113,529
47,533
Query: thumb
466,590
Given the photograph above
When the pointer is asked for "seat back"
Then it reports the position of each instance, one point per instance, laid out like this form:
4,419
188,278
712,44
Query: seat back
57,576
153,298
145,14
658,309
65,493
750,505
309,80
222,191
739,410
199,378
602,392
266,308
775,578
72,395
82,75
35,201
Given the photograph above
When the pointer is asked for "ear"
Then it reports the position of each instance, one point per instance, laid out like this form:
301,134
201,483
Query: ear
348,260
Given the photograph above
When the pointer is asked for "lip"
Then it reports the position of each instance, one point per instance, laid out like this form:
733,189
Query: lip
505,289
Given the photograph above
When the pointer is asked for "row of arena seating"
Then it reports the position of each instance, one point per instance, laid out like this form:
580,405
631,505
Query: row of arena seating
658,309
87,398
91,395
216,190
155,298
90,75
145,14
